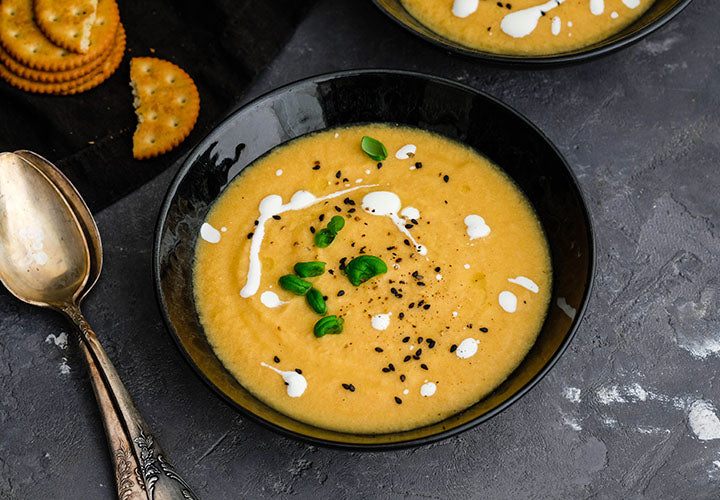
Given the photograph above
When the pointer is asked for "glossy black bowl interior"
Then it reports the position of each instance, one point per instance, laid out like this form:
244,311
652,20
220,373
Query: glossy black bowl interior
347,98
656,16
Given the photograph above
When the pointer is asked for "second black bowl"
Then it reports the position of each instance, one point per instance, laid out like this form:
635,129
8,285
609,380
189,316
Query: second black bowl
655,17
353,97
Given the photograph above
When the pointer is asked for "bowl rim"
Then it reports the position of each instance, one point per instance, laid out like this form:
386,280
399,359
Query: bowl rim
190,159
544,61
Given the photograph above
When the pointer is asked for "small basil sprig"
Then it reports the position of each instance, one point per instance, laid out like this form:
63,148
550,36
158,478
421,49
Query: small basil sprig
329,325
374,148
294,284
316,301
364,267
309,269
325,236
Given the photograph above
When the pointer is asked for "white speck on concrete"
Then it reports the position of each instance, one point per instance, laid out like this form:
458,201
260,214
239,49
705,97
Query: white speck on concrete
703,420
607,395
61,340
64,367
572,422
572,393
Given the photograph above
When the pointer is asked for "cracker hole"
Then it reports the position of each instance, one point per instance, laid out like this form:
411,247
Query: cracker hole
182,100
175,123
151,140
153,116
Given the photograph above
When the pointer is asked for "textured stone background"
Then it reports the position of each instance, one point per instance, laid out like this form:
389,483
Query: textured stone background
617,417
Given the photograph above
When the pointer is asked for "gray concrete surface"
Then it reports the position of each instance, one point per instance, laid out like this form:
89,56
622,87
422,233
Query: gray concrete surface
630,411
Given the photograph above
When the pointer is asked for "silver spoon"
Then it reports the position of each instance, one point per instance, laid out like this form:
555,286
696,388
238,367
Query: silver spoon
50,256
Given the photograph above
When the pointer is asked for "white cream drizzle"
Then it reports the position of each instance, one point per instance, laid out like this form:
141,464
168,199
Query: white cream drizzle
508,301
614,15
296,383
467,266
271,300
405,152
410,213
467,348
631,4
476,227
278,172
428,389
388,204
597,7
556,26
523,22
381,321
525,283
273,205
209,233
438,277
463,8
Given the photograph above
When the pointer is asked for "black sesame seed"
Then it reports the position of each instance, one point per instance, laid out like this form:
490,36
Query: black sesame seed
298,371
426,306
390,248
407,242
316,167
508,6
325,298
352,388
398,400
424,366
378,349
276,359
453,348
416,357
418,353
483,329
411,305
385,370
499,4
437,269
420,340
257,222
322,217
430,343
345,179
379,165
338,209
276,217
420,283
469,325
392,367
408,226
351,211
418,165
406,340
346,387
402,378
338,174
421,303
401,315
312,229
250,235
407,358
446,178
341,293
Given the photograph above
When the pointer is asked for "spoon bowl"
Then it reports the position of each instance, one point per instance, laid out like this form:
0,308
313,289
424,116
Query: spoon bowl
45,259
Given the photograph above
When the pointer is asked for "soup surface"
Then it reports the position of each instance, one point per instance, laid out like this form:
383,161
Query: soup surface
530,27
463,298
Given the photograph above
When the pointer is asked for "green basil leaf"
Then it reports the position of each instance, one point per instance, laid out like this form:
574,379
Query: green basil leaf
374,148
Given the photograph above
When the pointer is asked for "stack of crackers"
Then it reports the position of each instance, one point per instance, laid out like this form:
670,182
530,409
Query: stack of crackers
70,46
59,46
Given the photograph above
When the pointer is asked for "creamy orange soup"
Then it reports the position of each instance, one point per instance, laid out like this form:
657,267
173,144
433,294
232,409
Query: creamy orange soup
463,298
532,27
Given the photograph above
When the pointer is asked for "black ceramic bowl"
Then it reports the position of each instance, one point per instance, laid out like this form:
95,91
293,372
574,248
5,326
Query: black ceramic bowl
427,102
656,16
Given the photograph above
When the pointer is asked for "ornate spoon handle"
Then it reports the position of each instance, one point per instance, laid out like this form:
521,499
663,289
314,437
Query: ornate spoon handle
161,480
129,484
